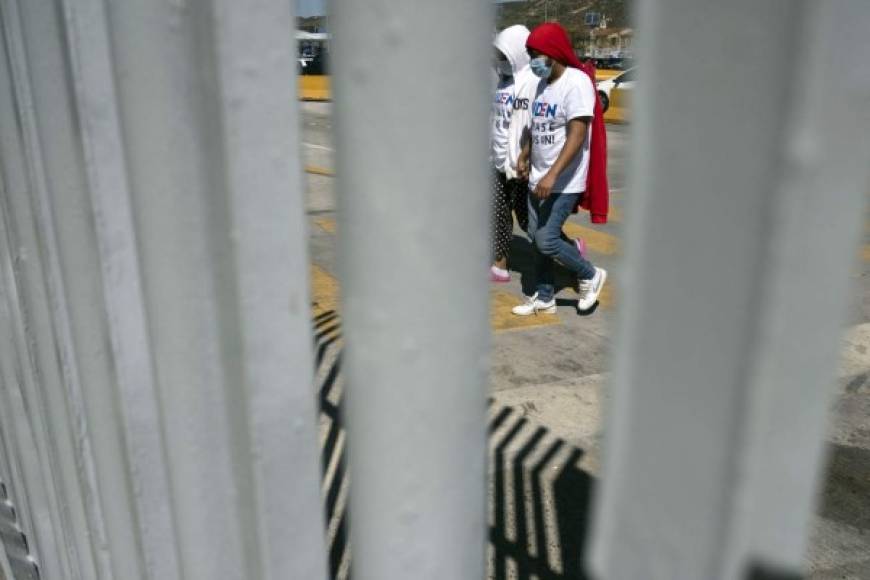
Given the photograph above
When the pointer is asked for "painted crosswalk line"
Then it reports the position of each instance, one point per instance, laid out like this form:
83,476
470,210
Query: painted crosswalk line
317,170
324,291
326,224
596,241
325,298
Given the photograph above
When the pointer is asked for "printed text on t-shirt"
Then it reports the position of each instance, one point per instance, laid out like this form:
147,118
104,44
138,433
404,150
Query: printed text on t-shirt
506,98
544,133
542,109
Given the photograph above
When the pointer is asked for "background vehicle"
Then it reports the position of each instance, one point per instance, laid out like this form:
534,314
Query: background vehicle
624,81
613,63
312,52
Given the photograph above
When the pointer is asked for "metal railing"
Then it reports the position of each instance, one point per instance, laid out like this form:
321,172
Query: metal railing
157,399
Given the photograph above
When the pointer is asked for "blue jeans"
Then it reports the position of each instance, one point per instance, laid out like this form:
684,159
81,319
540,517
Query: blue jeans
546,218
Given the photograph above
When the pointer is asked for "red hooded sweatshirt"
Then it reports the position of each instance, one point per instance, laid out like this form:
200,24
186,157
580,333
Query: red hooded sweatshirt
551,40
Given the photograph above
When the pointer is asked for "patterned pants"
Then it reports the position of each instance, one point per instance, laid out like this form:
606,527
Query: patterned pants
508,195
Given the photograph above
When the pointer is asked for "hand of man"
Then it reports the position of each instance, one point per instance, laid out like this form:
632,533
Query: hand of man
545,186
523,168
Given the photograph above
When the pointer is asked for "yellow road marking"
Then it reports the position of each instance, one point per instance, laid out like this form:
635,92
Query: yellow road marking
315,87
316,170
865,253
324,291
325,297
596,241
326,224
606,74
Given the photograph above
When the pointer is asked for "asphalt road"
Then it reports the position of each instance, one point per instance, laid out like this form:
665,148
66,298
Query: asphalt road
555,368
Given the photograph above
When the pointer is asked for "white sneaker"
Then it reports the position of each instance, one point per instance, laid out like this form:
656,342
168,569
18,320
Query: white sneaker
533,306
590,289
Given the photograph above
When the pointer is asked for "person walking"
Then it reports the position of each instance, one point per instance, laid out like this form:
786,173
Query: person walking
510,115
514,94
565,160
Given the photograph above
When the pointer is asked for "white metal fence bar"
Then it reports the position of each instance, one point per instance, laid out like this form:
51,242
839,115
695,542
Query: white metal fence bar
21,465
266,203
412,238
37,311
113,263
27,486
72,269
822,188
732,307
170,235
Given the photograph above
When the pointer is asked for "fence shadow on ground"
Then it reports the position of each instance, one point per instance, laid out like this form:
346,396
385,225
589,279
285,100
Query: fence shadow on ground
539,502
539,497
327,341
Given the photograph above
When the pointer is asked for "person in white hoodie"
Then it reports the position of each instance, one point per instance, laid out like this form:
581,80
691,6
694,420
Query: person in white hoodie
510,117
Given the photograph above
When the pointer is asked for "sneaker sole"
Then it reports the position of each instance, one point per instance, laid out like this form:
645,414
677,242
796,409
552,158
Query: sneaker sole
550,310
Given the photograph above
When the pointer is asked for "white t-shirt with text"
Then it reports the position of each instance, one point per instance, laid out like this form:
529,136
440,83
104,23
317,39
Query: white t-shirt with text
569,97
502,109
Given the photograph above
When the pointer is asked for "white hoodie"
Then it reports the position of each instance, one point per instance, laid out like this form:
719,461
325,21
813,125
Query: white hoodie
512,43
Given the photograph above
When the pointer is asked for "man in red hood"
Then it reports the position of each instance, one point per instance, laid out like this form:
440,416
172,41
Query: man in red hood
558,161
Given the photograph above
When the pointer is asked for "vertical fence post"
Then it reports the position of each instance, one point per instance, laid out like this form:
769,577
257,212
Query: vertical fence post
154,196
749,182
209,134
22,472
26,504
29,487
98,315
46,428
411,82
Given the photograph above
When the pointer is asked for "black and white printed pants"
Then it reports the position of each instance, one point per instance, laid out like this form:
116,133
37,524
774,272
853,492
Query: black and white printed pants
508,196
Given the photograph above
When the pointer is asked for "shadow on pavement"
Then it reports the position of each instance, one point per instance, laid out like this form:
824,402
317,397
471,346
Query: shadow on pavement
540,503
538,496
522,261
847,486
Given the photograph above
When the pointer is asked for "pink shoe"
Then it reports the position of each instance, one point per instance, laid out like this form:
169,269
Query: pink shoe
497,277
581,246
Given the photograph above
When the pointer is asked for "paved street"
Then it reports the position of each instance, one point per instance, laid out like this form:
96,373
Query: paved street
567,345
552,370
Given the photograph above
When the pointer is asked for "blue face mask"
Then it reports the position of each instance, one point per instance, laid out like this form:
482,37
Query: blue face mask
540,67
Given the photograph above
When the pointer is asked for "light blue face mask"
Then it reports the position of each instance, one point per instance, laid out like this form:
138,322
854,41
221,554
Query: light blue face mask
540,67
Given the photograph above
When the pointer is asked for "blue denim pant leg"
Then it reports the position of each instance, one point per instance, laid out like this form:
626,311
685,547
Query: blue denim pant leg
546,218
